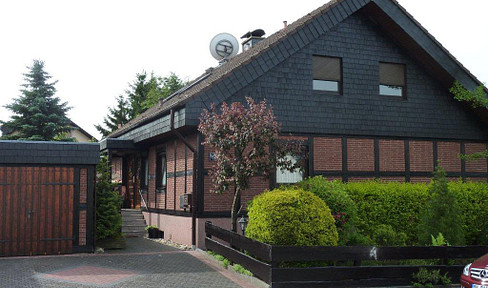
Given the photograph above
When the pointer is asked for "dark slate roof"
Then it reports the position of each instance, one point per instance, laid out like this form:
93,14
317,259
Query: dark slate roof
42,152
114,144
339,10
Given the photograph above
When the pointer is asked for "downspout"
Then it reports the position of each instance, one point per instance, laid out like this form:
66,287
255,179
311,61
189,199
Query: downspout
194,178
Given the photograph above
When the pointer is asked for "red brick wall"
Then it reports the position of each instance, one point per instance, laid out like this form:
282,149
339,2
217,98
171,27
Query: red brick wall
476,179
151,187
82,214
157,200
359,179
214,202
392,179
448,155
83,185
421,156
327,154
360,154
392,155
420,179
478,165
170,187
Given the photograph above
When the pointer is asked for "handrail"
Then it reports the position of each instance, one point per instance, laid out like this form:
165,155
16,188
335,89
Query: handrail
142,198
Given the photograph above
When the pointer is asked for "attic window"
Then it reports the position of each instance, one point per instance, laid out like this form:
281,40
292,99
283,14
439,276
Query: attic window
392,79
327,74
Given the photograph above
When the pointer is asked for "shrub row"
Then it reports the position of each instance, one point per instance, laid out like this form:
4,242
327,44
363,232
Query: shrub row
364,213
400,205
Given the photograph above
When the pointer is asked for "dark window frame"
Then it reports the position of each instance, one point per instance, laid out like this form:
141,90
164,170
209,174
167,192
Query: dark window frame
340,83
161,170
404,87
144,173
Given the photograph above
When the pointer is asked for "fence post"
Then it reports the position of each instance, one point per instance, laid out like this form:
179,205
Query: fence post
273,264
206,233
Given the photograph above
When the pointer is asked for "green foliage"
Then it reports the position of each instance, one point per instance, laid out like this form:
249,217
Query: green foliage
245,141
396,204
472,199
439,240
291,217
429,278
442,213
151,227
385,235
118,115
476,98
38,114
109,219
142,94
343,209
241,270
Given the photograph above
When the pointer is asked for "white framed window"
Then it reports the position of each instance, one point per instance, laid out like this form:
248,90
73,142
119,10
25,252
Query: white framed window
286,177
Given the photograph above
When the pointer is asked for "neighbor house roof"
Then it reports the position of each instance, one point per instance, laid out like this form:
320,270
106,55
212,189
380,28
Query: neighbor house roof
405,30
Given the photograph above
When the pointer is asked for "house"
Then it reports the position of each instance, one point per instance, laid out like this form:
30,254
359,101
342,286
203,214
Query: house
76,133
360,81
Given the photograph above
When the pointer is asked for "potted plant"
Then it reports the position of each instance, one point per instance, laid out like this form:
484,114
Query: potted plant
154,232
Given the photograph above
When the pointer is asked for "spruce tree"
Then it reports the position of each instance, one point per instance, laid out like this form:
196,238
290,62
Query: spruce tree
38,114
109,219
118,115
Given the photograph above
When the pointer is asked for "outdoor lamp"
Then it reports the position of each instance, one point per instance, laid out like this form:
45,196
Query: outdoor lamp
243,223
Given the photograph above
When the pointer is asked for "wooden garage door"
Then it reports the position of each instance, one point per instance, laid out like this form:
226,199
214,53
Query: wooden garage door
36,210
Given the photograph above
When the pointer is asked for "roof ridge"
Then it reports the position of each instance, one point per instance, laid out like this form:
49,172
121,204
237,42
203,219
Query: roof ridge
223,70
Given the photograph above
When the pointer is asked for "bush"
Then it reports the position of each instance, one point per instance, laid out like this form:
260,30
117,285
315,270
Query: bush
395,204
472,199
109,219
442,213
343,209
384,235
429,278
291,216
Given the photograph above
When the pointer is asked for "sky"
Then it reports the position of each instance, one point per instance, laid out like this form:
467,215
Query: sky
94,48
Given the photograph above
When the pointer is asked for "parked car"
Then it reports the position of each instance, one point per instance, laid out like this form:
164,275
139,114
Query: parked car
475,275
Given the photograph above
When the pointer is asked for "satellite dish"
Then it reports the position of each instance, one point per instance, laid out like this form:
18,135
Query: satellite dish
224,46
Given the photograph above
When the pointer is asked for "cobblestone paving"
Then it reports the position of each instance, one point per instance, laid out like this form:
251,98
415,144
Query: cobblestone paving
142,266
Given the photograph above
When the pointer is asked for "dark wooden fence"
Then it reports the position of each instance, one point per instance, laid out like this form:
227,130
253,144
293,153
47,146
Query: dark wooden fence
264,261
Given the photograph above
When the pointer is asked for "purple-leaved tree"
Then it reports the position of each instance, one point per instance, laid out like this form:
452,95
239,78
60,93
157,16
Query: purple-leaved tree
245,140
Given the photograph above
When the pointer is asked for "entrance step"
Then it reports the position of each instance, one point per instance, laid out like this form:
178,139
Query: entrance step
133,223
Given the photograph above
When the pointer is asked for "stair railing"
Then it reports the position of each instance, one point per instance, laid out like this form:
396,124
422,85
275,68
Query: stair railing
142,198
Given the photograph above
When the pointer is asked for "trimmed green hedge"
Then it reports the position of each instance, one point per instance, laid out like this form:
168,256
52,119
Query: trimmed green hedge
473,200
291,216
395,204
400,204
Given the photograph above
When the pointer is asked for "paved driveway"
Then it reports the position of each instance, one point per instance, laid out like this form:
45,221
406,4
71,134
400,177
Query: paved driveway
143,264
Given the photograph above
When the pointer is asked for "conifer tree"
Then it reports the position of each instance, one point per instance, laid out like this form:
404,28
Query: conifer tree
118,115
442,213
142,94
38,113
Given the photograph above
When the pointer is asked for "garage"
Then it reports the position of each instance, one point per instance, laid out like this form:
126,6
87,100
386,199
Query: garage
47,197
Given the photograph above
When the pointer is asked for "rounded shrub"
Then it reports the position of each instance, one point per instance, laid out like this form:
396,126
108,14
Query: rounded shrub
291,216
